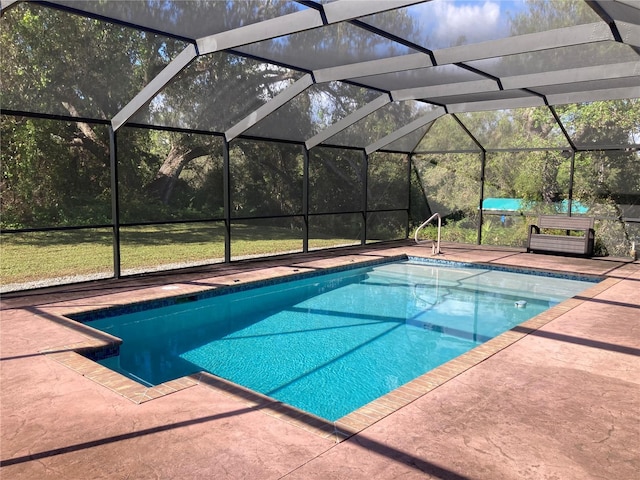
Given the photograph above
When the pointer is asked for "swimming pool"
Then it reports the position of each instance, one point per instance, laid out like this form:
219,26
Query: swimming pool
331,343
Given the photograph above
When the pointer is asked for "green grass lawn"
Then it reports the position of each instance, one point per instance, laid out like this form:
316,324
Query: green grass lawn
28,257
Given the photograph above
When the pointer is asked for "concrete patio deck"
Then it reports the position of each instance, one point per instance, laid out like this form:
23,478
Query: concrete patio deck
559,401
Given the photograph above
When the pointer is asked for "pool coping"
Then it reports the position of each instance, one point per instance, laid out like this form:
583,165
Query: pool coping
73,356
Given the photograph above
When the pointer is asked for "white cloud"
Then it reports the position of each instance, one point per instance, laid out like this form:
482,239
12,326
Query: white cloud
473,21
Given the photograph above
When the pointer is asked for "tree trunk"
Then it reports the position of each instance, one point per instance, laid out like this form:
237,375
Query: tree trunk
166,178
550,187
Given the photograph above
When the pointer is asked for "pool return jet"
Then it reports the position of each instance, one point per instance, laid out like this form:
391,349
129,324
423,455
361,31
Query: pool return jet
435,246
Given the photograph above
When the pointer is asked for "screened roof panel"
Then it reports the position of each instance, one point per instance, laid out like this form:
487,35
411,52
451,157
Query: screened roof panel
518,128
248,62
565,58
216,91
338,44
186,18
446,135
380,123
409,142
315,109
444,23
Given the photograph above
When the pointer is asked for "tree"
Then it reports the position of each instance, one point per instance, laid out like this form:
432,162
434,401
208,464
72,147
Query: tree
85,68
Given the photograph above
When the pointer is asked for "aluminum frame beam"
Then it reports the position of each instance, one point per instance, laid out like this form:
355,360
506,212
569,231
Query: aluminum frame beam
628,11
257,32
561,37
342,10
532,81
564,131
630,33
406,130
460,88
574,75
349,120
630,3
271,106
373,67
594,95
145,95
507,103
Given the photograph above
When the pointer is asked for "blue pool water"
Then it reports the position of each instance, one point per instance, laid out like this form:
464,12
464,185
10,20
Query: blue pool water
330,344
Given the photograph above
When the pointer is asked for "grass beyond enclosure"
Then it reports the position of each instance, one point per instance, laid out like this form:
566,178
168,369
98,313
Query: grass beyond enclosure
35,256
29,257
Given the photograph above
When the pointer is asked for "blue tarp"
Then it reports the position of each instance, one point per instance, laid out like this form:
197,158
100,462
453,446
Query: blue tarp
518,204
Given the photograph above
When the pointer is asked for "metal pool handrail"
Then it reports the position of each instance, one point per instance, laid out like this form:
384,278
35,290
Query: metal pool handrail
436,247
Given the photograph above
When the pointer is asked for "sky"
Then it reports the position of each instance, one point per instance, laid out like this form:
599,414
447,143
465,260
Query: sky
445,21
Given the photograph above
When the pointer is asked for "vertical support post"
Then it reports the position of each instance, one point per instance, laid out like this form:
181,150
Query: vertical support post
115,201
226,193
365,182
305,200
409,164
571,170
483,160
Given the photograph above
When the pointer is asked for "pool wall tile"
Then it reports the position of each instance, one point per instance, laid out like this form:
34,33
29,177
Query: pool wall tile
115,310
507,268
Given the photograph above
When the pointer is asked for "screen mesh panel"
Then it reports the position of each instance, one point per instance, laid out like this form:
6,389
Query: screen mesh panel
55,258
215,92
185,17
335,230
337,44
51,180
266,178
441,23
517,128
336,180
446,135
451,185
150,248
607,184
380,123
383,226
387,181
450,181
519,186
603,124
315,109
180,179
265,237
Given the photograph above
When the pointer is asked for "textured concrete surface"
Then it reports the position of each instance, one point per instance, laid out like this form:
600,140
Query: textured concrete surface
563,402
